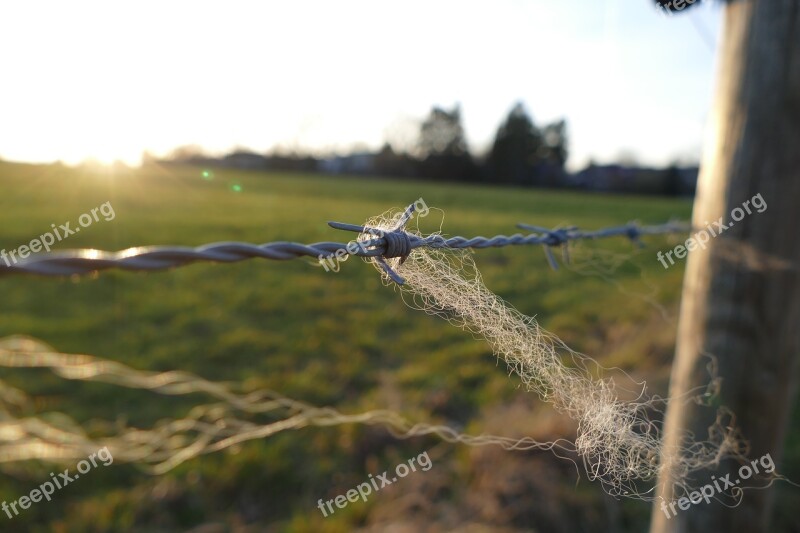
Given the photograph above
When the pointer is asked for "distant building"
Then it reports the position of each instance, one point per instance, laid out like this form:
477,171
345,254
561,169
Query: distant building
244,159
357,163
672,181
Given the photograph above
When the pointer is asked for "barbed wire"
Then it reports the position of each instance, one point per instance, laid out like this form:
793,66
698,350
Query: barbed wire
379,245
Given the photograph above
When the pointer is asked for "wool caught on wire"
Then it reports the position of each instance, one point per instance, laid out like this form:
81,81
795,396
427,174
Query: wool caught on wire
618,441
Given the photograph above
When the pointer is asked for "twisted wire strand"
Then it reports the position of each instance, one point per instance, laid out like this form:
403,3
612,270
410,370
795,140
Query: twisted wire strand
149,258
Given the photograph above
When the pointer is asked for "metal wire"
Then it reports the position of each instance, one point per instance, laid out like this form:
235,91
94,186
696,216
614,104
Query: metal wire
148,258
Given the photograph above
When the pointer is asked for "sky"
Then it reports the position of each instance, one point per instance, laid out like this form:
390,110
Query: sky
109,80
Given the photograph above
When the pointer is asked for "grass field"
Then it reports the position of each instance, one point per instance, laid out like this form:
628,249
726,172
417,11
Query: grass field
340,339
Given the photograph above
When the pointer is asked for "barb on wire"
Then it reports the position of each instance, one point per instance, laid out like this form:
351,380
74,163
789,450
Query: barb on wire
380,245
632,230
393,243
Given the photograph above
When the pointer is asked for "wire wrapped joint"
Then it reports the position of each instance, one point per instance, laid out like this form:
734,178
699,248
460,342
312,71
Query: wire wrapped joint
392,244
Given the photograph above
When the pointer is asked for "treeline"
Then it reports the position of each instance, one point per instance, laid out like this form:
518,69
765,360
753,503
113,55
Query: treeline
522,154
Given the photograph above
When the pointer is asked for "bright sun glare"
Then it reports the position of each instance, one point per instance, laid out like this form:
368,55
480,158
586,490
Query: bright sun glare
117,80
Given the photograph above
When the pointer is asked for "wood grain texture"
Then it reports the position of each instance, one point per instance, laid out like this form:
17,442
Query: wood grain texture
741,295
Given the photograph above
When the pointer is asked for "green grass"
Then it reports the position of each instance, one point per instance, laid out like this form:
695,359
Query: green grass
326,338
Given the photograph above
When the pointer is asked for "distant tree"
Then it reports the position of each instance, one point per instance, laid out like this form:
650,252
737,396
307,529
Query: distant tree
442,133
516,149
672,185
522,153
390,163
187,152
190,154
444,147
402,134
555,143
